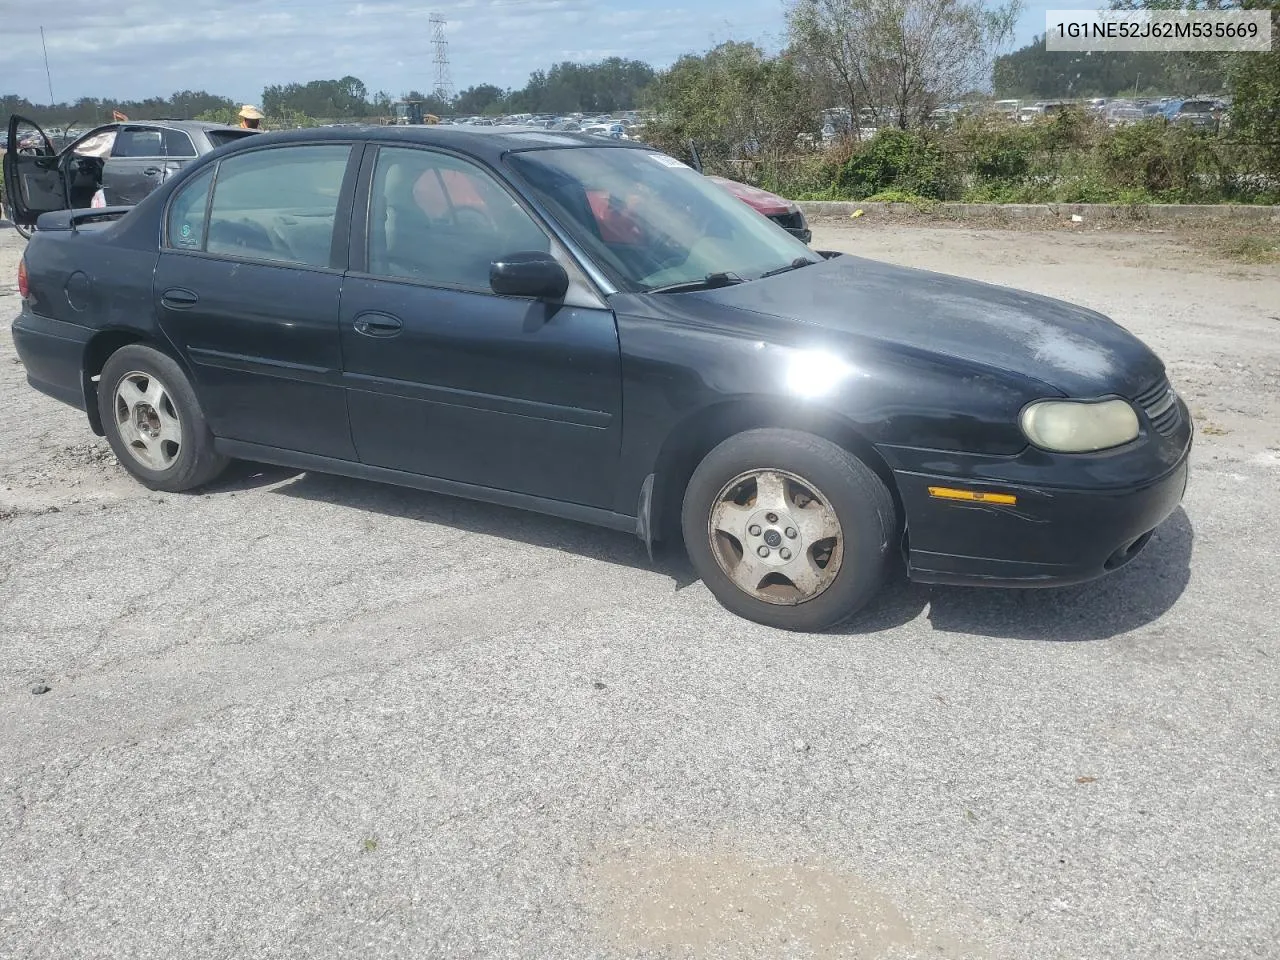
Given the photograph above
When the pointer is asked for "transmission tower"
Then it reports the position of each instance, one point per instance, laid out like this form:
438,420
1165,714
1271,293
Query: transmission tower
444,83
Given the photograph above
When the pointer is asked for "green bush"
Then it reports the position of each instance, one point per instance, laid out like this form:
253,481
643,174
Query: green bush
897,160
1069,158
1152,157
1001,154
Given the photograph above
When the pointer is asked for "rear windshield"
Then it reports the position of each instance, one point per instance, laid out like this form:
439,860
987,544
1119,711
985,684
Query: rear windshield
222,137
1197,106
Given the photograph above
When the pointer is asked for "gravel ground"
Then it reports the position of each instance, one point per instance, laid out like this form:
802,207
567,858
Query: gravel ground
300,716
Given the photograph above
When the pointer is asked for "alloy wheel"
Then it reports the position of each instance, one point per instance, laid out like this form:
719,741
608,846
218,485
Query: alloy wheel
776,536
148,421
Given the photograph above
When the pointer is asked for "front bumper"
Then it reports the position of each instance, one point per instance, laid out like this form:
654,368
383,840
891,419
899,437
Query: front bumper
794,223
1052,536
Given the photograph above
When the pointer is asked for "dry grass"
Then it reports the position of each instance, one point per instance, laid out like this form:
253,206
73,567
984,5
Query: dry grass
1261,244
1255,242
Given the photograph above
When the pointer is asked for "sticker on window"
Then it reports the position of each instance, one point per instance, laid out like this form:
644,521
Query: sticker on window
187,237
666,161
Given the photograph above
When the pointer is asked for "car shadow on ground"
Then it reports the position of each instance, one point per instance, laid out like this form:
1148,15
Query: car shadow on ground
1137,594
243,475
486,519
1131,597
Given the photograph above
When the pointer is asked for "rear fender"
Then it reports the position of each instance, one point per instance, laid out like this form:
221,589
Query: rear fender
99,350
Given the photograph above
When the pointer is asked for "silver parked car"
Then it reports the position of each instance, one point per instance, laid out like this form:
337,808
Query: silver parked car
114,165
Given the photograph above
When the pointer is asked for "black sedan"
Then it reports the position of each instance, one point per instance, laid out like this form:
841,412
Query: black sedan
593,330
117,163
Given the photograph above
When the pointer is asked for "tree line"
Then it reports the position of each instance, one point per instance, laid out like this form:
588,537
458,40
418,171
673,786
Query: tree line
183,105
603,87
1033,71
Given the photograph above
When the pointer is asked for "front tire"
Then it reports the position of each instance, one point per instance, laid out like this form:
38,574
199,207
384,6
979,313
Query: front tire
788,529
153,421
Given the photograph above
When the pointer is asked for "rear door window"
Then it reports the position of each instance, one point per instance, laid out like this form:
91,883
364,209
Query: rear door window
134,142
278,204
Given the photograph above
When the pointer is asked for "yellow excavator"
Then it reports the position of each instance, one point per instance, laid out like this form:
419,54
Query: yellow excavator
411,112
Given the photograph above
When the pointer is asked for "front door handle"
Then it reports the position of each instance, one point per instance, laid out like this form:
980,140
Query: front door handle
378,325
176,298
151,172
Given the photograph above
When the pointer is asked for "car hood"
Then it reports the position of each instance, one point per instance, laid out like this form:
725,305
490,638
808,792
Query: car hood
762,200
1077,351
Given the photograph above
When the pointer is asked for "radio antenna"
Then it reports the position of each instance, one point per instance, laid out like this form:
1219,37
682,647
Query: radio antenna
47,74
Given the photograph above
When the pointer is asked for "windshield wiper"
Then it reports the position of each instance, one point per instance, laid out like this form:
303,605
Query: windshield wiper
710,282
795,264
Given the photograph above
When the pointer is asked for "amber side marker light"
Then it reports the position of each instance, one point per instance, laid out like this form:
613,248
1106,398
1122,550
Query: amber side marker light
972,496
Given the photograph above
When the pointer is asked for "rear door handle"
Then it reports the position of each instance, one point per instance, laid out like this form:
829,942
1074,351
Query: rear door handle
151,172
178,299
378,325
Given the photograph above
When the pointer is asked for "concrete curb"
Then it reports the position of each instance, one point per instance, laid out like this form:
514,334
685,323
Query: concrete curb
1026,211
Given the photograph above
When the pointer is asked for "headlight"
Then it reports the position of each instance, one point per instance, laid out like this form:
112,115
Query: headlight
1072,426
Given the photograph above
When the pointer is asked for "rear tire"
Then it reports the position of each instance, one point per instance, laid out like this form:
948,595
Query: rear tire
153,421
788,529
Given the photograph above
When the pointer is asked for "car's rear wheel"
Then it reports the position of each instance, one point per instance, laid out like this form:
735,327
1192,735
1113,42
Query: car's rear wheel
788,529
153,421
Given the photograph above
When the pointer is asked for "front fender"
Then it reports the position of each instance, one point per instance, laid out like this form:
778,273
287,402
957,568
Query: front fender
697,384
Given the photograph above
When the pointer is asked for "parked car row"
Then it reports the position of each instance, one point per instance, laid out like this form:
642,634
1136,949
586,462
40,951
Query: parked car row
1201,113
624,127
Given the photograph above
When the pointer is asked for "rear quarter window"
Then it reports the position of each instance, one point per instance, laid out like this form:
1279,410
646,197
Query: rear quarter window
177,145
184,230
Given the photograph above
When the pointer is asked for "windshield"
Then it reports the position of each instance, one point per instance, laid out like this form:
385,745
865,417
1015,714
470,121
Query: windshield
649,221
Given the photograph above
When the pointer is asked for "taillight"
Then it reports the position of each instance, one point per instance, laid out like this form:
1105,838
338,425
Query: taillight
24,287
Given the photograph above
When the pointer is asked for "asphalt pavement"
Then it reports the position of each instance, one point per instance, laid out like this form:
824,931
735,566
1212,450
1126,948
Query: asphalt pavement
302,716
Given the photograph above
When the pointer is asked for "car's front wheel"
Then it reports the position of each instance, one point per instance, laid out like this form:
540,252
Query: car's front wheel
788,529
153,421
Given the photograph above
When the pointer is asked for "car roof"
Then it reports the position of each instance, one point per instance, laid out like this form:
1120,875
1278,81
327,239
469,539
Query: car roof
488,143
176,124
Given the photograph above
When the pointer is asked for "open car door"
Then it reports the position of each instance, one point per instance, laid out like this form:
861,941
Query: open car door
33,175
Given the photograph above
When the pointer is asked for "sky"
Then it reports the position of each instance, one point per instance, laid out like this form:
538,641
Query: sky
141,48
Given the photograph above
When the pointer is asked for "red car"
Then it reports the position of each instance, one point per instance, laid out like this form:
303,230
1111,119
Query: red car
781,211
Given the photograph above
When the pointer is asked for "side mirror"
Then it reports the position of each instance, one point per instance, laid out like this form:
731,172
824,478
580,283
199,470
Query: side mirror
532,274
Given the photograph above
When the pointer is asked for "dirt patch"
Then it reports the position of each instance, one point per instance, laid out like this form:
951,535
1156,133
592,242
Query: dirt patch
718,902
1255,242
